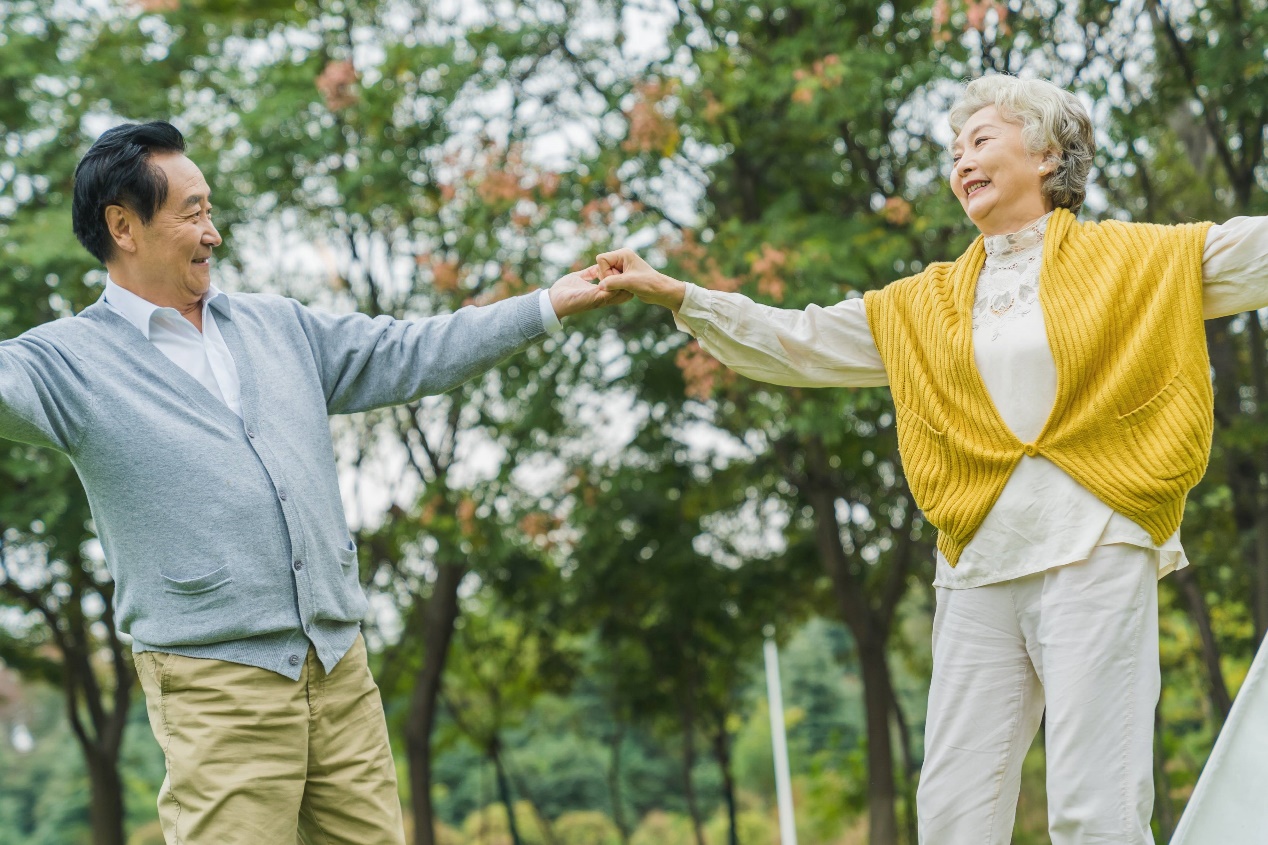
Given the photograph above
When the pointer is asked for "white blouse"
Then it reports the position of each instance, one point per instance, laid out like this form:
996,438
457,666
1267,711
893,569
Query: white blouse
1043,518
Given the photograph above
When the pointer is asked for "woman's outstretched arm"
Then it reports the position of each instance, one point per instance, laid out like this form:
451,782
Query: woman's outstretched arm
815,347
1235,267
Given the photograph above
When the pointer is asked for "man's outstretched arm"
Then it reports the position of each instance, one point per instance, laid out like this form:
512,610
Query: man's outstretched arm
370,362
45,399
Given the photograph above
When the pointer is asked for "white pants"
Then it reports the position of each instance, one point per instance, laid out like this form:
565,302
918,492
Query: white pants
1079,640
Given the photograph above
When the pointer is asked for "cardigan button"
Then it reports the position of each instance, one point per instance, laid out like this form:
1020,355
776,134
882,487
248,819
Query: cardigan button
1030,449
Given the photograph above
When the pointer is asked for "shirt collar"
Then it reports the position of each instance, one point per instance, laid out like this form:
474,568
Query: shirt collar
139,311
1028,237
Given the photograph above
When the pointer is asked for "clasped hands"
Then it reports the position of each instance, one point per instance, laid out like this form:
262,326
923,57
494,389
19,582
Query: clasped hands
615,277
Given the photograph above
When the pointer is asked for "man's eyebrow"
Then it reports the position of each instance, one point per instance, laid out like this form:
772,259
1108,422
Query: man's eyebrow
196,199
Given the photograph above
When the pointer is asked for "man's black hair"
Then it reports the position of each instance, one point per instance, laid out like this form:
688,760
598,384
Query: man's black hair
117,170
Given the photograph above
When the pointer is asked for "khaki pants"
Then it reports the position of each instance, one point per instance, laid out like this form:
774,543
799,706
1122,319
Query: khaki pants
1079,644
254,758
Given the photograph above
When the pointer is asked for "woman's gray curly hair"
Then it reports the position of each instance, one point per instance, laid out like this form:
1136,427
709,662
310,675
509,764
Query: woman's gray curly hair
1052,121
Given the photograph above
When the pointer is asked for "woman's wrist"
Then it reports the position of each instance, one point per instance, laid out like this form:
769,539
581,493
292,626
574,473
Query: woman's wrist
675,293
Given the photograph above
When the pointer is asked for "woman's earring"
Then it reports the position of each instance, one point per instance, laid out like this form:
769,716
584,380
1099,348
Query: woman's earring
1043,169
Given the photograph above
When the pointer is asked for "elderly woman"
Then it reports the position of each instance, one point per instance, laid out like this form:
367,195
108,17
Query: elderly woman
1054,408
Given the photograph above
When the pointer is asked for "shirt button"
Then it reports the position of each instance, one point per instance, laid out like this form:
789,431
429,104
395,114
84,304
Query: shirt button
293,660
299,564
1030,449
251,433
281,494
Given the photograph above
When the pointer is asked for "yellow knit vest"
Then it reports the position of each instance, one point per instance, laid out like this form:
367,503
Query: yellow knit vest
1133,416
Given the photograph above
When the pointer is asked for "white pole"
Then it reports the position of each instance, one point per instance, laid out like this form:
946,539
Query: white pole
779,743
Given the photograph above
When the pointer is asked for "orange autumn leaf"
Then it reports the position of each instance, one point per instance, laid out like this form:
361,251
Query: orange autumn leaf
337,84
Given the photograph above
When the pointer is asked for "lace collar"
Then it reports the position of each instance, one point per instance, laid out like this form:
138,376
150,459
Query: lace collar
1000,247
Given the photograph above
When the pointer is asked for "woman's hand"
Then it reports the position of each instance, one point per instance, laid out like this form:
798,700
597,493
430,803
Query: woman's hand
576,292
623,270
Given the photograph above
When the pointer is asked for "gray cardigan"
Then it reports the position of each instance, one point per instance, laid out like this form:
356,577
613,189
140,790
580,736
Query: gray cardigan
226,537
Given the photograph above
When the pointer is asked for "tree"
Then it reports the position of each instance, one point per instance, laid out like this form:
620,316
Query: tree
50,569
677,607
819,158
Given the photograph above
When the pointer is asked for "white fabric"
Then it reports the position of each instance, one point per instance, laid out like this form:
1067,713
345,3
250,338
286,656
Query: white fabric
550,320
1079,641
203,355
1228,805
1043,518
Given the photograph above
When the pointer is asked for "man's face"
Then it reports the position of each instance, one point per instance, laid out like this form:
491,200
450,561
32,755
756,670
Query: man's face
174,249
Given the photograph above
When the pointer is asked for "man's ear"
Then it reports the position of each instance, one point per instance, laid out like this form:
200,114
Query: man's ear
122,225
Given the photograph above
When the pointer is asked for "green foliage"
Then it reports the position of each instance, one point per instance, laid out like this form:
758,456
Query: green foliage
637,515
660,828
489,824
586,827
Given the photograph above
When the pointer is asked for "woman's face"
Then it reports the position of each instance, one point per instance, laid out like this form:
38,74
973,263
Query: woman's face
994,177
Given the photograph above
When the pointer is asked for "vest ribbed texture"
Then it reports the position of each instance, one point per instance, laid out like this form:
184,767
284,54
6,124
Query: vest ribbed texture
1133,415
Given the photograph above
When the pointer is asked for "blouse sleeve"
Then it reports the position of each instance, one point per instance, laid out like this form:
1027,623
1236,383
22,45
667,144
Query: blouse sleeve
1235,267
817,347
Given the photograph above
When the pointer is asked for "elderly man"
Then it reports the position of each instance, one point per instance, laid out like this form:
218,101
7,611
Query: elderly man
197,421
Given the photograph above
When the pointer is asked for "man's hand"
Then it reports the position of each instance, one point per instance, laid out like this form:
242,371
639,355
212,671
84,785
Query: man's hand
624,271
576,292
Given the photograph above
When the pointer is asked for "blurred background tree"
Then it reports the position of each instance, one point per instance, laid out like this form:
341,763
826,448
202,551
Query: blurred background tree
572,560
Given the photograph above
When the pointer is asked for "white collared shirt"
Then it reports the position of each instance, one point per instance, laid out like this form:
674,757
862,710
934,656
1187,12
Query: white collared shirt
203,355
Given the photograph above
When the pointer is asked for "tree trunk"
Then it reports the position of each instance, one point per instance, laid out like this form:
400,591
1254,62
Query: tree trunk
722,754
1259,380
100,736
689,763
106,787
1221,701
881,792
614,783
1260,610
870,637
910,768
504,793
1163,810
439,615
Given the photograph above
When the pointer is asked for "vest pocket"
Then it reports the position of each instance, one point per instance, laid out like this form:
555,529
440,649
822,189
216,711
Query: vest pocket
1169,441
906,414
923,449
1151,407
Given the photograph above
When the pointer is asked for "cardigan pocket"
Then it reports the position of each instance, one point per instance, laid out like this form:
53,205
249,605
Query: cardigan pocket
200,584
347,554
336,585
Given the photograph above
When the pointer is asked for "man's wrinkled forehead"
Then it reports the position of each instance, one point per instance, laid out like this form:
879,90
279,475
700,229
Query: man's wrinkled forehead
187,189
